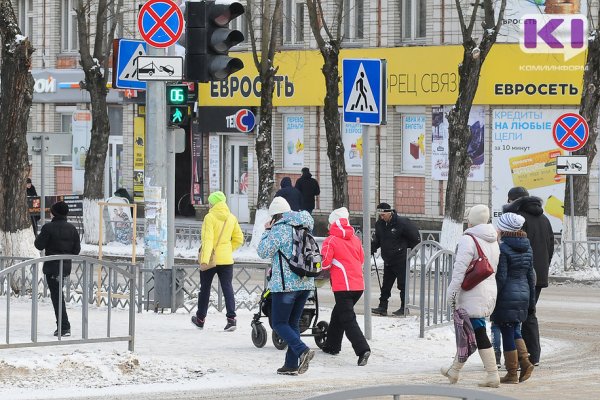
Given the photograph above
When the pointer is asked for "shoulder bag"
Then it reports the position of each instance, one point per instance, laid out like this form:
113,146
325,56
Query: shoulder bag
211,262
478,270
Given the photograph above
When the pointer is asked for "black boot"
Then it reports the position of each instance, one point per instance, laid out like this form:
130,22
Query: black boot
381,310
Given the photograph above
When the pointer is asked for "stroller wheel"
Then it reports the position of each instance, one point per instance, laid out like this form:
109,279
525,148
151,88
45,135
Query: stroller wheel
278,342
321,333
259,335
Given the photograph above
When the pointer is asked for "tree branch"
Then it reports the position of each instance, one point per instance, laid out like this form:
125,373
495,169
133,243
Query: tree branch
473,18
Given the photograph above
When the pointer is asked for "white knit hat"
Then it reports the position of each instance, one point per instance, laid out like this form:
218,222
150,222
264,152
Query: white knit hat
278,206
338,213
510,222
479,214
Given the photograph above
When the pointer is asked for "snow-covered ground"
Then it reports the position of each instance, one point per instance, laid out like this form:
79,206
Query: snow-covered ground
171,354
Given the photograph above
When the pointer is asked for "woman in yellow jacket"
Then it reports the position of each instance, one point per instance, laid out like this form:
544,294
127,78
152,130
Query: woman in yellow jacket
221,226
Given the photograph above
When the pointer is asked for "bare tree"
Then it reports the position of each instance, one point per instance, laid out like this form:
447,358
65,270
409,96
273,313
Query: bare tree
459,134
268,16
95,49
16,95
329,46
588,109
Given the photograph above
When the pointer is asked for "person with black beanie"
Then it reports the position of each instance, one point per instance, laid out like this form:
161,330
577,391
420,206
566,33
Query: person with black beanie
58,237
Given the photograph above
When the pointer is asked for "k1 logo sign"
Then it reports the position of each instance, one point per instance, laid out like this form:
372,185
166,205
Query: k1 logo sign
552,33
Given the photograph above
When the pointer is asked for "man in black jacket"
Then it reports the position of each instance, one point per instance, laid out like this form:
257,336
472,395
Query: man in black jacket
309,187
394,234
540,234
290,194
58,237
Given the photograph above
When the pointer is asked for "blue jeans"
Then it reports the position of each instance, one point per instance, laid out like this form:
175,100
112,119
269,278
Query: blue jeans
225,273
286,311
497,336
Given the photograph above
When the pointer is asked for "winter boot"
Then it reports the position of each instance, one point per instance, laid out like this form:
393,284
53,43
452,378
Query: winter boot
491,370
452,372
524,363
498,355
511,362
231,325
381,310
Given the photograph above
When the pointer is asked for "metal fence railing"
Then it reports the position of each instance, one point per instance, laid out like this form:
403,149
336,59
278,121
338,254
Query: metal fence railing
396,391
119,283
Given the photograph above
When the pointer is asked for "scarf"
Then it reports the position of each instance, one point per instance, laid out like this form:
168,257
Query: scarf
465,335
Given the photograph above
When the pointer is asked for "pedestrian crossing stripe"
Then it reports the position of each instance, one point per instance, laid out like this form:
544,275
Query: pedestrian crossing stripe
361,98
130,71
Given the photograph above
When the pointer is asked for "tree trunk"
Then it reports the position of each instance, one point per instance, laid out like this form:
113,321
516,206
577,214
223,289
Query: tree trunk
264,153
335,145
16,94
590,101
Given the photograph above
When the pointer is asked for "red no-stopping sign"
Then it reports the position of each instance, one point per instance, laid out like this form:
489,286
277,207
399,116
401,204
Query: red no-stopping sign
160,23
570,131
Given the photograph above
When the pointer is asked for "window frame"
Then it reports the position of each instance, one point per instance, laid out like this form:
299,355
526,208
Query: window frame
293,27
69,39
353,19
26,18
414,12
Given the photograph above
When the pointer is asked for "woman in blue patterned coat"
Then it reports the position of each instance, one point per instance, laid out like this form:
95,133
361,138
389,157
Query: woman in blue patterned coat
515,278
289,291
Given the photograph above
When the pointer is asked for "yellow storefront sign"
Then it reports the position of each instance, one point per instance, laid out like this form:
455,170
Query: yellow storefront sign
139,140
416,76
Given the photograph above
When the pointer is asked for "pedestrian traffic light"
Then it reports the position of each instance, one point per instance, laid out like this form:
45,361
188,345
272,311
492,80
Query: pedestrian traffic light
208,40
177,97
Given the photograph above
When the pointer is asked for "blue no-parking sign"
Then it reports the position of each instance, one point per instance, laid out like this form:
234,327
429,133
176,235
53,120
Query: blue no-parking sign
364,91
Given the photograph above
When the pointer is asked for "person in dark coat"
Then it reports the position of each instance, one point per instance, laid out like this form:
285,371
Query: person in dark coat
309,187
290,194
58,237
394,234
541,237
515,279
30,188
33,193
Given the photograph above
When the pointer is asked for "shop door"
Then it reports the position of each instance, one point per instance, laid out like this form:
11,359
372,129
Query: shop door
237,178
113,172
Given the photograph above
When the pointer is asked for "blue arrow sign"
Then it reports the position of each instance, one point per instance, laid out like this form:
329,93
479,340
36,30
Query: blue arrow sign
363,91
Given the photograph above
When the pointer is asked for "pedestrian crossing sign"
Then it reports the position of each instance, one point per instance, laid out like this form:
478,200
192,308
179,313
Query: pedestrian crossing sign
364,91
127,53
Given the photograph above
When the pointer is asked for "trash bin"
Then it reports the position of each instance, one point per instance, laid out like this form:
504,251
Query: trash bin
163,289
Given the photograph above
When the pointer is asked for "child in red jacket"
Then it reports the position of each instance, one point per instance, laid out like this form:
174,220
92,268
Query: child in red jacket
343,256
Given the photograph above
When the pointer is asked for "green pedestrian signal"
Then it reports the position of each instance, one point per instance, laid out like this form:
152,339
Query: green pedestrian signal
178,115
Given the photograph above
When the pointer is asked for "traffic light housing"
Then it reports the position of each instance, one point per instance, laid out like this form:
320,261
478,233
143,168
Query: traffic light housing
208,40
177,108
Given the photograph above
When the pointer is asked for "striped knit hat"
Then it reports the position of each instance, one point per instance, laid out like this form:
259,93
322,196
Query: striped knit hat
510,222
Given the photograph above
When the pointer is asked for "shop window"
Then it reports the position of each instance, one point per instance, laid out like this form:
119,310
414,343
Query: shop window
26,12
354,17
115,118
414,19
69,39
293,20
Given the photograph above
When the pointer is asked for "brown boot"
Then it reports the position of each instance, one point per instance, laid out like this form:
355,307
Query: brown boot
511,362
524,363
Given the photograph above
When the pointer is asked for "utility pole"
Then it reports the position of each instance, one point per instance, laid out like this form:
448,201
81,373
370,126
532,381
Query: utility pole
155,180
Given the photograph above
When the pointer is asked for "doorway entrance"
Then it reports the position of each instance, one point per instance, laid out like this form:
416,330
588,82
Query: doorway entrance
113,171
237,178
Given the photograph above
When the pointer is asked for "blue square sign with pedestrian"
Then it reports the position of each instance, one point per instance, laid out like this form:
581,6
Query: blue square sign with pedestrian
364,91
128,53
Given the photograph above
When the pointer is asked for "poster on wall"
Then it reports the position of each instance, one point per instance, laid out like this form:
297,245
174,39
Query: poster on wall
81,126
510,30
353,150
138,158
214,161
196,153
293,141
413,143
439,143
525,155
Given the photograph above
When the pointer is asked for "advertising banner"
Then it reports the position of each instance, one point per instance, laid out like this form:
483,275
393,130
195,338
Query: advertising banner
214,163
525,155
413,143
293,141
353,151
196,146
138,158
439,144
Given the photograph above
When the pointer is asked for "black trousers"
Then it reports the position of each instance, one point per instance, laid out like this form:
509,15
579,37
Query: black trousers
343,320
55,287
391,273
531,332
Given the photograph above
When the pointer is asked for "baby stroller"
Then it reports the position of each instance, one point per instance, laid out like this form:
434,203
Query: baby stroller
308,322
